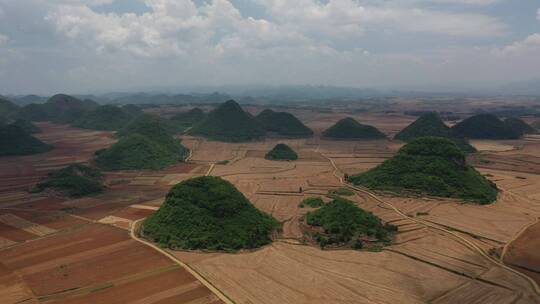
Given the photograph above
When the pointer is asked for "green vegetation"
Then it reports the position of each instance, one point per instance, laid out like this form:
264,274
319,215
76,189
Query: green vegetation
341,192
430,124
345,224
281,152
433,166
519,126
7,109
75,180
189,118
313,202
144,144
229,122
208,213
283,123
15,141
104,118
485,126
60,108
27,126
348,128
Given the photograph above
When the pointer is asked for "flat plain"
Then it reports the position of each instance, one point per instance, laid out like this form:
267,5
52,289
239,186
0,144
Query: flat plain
57,250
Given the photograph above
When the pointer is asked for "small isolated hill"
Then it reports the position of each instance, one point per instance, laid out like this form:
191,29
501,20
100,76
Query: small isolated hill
104,118
349,128
27,126
485,126
7,108
229,122
283,123
281,152
519,126
433,166
343,223
189,118
76,180
208,213
431,124
15,141
144,144
60,108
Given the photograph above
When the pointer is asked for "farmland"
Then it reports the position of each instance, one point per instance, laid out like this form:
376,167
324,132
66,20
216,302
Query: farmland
60,250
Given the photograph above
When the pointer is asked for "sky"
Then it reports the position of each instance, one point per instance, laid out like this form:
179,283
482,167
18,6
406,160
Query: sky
77,46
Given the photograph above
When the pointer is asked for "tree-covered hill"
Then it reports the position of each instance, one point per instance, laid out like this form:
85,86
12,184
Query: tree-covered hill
189,118
433,166
519,126
281,152
485,126
283,123
208,213
144,144
229,122
104,118
15,141
27,126
343,223
349,128
430,124
60,108
7,108
76,180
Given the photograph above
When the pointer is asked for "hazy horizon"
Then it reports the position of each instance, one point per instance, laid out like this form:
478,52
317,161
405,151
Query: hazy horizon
100,46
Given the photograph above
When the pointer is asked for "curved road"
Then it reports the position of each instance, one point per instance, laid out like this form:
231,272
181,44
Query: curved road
212,288
458,237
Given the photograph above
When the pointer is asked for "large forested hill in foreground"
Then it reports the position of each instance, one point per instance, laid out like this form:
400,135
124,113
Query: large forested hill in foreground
433,166
208,213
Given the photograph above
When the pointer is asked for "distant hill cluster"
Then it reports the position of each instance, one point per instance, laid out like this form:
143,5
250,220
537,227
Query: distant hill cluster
430,124
350,129
229,122
433,166
144,143
488,126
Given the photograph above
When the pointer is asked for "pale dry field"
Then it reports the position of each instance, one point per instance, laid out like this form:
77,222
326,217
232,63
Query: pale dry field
440,253
424,265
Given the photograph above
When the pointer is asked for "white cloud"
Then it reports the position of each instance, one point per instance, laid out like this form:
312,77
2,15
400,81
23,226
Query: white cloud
531,44
3,39
341,17
172,28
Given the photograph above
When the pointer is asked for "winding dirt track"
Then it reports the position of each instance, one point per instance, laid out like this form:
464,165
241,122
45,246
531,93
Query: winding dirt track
459,238
215,290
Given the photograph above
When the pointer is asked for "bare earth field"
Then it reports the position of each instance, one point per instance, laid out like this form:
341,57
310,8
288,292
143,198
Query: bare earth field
55,250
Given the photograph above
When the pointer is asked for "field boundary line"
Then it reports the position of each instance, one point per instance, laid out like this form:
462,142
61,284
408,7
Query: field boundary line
465,241
197,275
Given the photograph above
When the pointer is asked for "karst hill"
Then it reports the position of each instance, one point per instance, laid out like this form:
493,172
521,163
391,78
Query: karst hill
433,166
349,128
208,213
